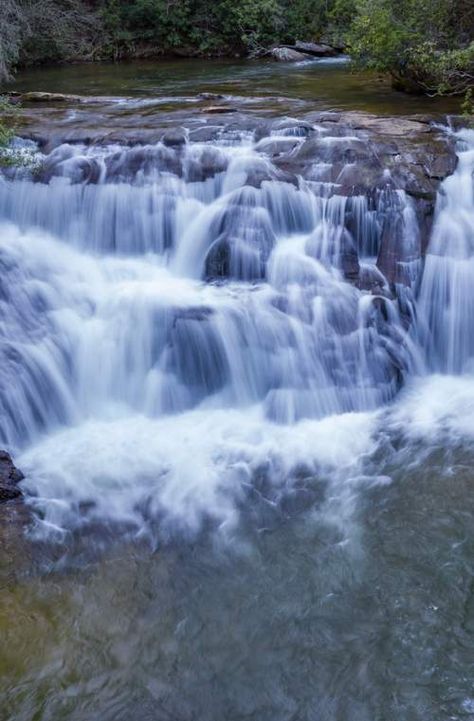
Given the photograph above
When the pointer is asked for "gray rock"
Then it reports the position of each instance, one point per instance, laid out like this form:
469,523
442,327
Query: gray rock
319,50
288,55
216,109
9,478
174,138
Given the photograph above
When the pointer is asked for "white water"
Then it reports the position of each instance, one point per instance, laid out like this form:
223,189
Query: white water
447,298
171,332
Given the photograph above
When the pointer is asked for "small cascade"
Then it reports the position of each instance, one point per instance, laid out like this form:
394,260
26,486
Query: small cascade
156,287
446,300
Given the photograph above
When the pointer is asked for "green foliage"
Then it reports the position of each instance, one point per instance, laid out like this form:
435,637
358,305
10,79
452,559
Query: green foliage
306,19
8,121
10,154
467,106
339,20
249,25
11,27
376,40
421,42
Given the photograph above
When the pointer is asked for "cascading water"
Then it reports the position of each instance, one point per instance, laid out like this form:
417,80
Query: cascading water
169,313
446,300
242,397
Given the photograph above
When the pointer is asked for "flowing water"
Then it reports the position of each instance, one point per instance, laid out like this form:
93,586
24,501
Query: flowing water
263,85
250,477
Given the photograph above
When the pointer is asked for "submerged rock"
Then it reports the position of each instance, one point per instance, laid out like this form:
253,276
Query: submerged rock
9,478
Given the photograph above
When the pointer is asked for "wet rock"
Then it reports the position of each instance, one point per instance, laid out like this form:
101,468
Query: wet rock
398,252
276,146
208,164
43,97
288,55
197,356
219,258
360,177
333,150
126,164
318,50
240,258
415,182
372,280
204,133
425,210
39,97
326,116
174,138
349,258
10,476
394,127
79,169
456,122
244,241
439,159
288,127
211,96
213,109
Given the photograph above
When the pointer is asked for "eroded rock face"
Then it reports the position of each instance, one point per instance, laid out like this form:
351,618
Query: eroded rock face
9,478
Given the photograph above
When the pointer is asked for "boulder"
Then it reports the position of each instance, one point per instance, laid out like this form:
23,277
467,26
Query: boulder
174,137
9,478
288,55
318,50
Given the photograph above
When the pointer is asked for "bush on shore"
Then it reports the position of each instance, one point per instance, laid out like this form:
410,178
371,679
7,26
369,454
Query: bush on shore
426,45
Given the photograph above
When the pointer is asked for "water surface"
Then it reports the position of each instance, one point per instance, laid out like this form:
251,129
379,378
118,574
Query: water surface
320,85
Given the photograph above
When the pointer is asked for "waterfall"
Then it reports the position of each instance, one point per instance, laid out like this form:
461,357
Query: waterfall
446,301
171,286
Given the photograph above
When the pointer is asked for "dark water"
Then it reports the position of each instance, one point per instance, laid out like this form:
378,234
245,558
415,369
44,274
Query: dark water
314,85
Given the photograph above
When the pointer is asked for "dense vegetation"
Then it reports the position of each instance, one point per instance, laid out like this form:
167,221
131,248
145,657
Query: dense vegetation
427,45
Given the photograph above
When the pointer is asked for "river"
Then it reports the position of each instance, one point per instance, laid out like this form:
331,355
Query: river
248,453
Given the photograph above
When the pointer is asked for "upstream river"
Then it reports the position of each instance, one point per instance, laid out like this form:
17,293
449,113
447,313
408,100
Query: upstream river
248,455
265,85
